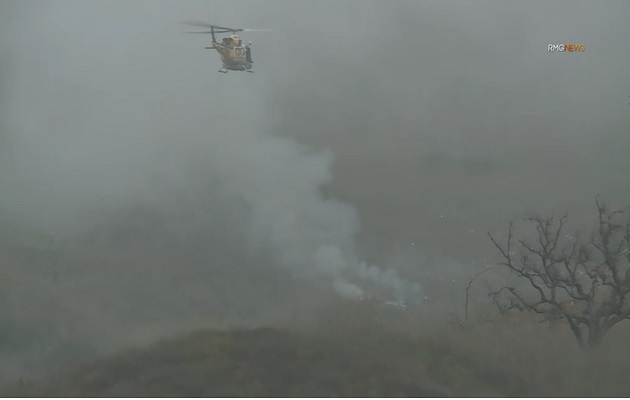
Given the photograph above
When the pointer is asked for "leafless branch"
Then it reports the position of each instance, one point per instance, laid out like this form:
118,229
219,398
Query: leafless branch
587,284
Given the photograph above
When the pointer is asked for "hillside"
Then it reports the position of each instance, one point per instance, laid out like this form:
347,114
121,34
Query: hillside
270,362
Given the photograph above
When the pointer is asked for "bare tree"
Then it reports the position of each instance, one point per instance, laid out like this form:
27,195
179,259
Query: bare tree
585,283
465,323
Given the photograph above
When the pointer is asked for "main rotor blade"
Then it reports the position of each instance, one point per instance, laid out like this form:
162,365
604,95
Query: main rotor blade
206,32
217,29
197,23
222,29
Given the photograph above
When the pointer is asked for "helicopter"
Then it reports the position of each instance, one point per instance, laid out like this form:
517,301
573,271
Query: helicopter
234,55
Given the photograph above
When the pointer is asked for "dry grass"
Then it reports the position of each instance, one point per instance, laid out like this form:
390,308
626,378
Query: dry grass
252,363
545,358
354,351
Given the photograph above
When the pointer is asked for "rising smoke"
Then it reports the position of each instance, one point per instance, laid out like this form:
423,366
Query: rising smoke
308,234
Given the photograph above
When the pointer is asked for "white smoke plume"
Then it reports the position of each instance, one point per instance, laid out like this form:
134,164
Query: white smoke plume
311,235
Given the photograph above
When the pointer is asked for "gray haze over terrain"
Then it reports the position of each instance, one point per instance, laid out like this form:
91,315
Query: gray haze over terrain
372,133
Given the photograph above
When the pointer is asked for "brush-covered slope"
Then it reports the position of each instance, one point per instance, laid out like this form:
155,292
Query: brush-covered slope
269,362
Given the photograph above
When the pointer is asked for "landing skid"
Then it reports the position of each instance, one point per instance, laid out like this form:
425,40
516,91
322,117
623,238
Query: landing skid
225,71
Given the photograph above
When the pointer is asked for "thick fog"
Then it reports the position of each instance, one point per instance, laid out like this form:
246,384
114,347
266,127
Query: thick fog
372,149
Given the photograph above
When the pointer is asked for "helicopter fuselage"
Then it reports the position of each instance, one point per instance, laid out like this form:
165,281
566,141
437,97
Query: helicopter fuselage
234,58
234,55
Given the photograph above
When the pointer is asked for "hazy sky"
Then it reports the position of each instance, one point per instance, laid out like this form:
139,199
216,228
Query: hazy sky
425,123
429,104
